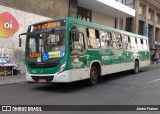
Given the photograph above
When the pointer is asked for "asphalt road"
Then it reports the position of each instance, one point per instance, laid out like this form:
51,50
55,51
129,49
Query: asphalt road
122,88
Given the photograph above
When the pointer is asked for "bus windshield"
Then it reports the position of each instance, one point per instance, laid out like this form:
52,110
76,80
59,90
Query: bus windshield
46,46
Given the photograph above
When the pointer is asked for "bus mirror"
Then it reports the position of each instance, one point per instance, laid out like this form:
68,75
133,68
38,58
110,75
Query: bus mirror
20,42
20,39
53,31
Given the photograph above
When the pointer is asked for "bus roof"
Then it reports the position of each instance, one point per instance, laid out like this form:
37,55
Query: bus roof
93,25
90,24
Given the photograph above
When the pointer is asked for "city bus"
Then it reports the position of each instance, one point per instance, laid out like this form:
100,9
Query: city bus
69,50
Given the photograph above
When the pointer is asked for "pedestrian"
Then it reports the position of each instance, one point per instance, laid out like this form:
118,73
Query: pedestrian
155,57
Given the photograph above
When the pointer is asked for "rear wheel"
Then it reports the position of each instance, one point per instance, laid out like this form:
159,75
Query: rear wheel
93,76
136,67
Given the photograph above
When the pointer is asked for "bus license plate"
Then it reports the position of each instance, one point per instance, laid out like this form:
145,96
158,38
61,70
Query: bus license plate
42,81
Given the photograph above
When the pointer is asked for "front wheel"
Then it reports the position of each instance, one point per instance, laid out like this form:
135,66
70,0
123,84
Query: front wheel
136,67
93,76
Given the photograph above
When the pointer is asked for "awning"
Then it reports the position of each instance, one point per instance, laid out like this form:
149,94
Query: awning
108,7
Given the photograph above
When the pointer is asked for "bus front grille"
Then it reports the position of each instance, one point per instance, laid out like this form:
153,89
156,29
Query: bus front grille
47,78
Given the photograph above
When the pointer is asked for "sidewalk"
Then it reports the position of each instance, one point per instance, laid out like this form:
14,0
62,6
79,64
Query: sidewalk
12,79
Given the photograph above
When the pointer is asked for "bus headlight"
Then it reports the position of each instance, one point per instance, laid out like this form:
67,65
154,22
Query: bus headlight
61,69
27,71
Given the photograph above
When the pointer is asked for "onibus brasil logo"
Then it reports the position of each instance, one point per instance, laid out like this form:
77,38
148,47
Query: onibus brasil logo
8,25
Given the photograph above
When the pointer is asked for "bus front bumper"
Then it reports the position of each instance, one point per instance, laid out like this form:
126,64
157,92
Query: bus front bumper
61,77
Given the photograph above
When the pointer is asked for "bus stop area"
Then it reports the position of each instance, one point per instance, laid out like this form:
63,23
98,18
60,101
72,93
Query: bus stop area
8,69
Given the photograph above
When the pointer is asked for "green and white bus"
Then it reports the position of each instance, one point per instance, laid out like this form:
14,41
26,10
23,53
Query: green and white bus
68,50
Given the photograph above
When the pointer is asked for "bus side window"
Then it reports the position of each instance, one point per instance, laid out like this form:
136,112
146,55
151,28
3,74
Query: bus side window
129,40
136,40
119,38
142,41
133,43
114,41
144,44
129,43
124,42
79,47
110,36
119,41
93,38
139,44
106,39
102,39
109,40
98,38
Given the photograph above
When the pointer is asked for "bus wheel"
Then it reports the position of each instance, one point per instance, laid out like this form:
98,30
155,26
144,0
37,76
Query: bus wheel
136,67
93,76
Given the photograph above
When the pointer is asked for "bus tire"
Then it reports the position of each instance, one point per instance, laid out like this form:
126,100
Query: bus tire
93,76
136,67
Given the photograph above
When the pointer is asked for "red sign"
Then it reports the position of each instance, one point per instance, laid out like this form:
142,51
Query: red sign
8,25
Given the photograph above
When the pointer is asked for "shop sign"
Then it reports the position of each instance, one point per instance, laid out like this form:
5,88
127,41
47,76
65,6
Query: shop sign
8,25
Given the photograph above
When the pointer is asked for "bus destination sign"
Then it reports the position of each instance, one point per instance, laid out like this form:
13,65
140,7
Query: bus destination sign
45,26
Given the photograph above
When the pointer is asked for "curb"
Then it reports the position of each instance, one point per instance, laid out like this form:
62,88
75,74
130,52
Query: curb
154,65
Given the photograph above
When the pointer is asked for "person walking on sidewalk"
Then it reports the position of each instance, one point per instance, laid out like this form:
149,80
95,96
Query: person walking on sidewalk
155,57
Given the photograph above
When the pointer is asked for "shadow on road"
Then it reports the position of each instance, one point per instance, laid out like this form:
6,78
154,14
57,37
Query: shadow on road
79,85
116,76
63,87
129,73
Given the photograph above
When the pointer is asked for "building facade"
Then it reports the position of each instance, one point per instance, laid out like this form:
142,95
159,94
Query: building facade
105,12
147,21
17,15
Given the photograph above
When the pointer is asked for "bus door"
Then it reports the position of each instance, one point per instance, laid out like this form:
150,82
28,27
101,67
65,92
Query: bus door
78,57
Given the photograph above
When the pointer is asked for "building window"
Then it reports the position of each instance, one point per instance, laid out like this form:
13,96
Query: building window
158,18
151,13
84,14
141,28
129,24
129,3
